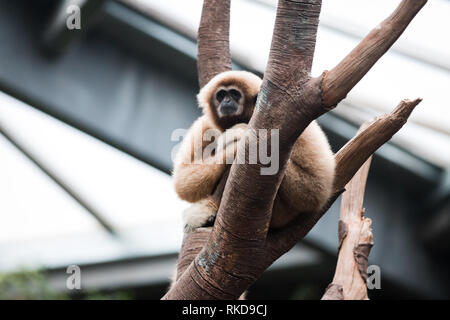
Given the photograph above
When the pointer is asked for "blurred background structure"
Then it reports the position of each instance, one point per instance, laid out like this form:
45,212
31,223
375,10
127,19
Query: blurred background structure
86,136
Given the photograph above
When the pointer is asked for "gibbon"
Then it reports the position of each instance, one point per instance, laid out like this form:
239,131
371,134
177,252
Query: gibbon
228,101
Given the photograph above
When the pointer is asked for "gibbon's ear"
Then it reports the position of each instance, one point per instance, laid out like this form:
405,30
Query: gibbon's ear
248,82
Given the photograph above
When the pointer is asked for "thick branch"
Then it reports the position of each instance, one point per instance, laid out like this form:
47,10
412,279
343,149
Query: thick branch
213,40
342,78
294,41
355,238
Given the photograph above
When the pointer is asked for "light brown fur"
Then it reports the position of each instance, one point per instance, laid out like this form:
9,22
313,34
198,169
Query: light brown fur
308,180
309,177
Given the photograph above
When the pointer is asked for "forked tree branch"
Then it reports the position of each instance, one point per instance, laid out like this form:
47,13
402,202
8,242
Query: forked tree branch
240,247
348,160
355,242
213,40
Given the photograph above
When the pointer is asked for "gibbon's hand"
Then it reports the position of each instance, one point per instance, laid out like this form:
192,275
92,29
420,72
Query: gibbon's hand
231,135
228,142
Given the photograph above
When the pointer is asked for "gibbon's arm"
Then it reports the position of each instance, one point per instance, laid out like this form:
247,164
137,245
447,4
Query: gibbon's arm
309,177
196,175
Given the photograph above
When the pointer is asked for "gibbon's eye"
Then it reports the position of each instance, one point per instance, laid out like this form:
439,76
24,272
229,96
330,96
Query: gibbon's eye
220,95
236,95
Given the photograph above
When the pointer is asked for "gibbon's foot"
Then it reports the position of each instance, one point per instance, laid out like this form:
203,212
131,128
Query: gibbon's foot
200,214
210,221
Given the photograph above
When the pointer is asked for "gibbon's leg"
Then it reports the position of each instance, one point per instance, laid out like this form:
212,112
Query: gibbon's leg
196,181
309,176
194,176
202,158
203,212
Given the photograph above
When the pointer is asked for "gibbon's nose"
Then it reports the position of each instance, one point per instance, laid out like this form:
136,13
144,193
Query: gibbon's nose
228,107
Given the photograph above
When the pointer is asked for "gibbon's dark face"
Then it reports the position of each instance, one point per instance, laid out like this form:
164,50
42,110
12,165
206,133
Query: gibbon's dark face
232,106
229,102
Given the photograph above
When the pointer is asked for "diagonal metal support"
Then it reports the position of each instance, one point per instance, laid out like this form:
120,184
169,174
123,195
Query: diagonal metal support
61,183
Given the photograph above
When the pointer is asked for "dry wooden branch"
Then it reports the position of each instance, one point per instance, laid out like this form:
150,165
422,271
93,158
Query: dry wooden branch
240,247
355,238
349,159
342,78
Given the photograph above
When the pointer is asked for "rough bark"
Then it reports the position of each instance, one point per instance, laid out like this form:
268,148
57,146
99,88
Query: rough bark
355,238
213,40
240,247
